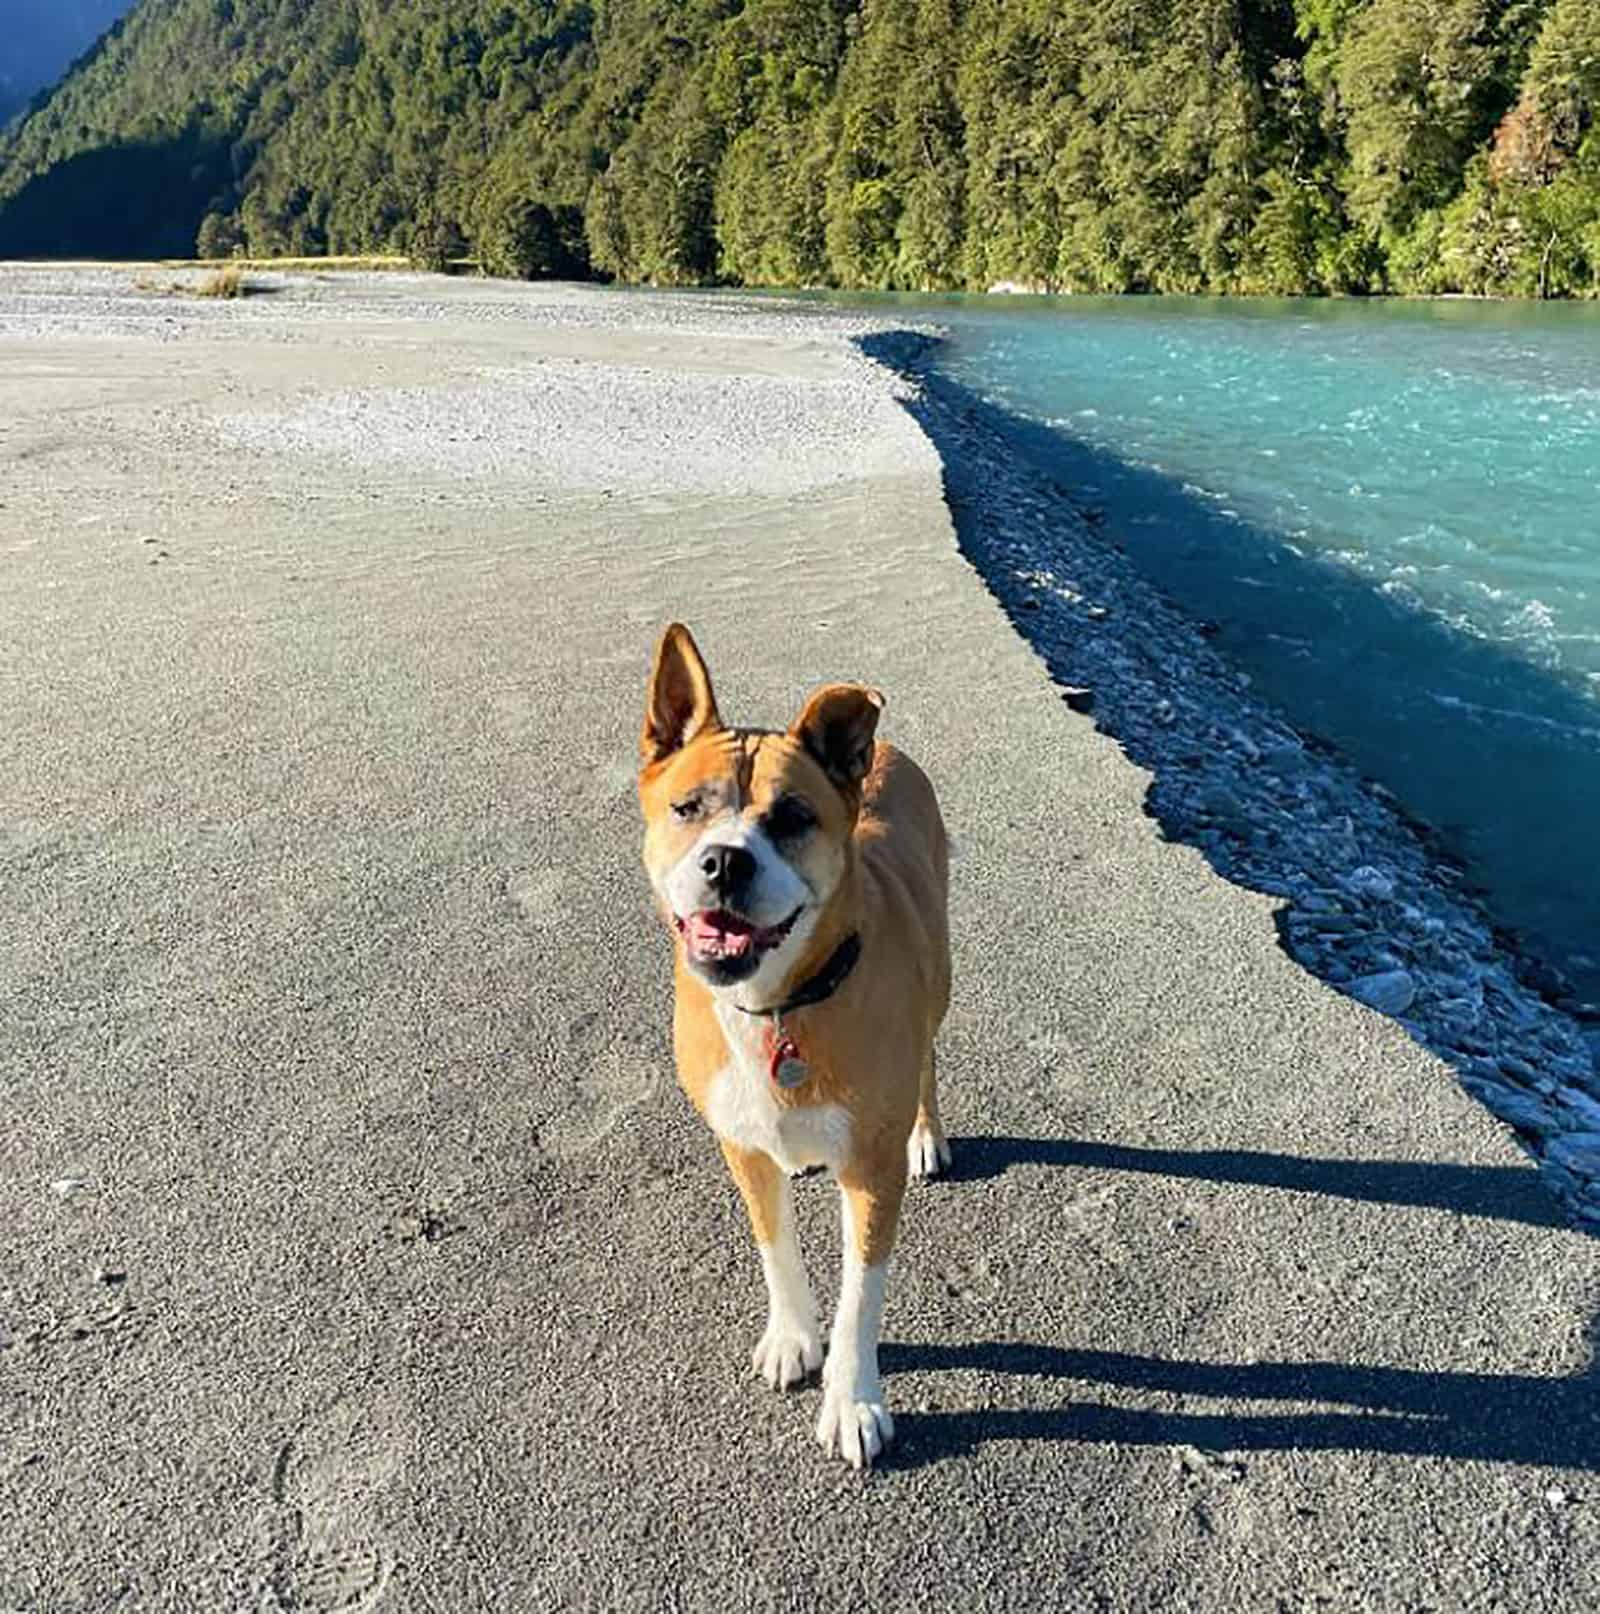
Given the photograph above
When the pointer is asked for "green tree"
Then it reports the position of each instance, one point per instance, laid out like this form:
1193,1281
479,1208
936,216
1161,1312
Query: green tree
1416,78
218,237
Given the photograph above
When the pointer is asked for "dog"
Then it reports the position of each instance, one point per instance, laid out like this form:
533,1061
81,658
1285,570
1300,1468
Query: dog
804,877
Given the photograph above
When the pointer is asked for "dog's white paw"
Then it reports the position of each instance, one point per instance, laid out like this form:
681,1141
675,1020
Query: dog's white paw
927,1153
857,1431
786,1355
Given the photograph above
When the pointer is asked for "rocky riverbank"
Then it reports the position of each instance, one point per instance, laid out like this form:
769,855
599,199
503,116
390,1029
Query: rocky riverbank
1371,905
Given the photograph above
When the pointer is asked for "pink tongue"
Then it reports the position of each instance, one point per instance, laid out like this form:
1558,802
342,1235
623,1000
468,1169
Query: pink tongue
719,933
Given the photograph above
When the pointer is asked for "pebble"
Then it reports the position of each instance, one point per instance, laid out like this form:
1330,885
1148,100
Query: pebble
1586,1109
1461,1008
1573,1072
1192,1460
1579,1152
1388,991
1560,1180
1520,1110
1333,923
1368,881
1220,802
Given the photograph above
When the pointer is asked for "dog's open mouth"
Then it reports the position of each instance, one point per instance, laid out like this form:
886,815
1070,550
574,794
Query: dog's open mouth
714,934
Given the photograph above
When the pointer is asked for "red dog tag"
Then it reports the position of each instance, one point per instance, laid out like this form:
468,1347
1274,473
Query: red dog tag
787,1067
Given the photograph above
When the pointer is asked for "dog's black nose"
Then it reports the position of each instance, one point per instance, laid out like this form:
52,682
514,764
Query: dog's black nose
726,867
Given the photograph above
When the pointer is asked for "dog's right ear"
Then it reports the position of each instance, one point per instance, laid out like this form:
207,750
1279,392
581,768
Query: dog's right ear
680,705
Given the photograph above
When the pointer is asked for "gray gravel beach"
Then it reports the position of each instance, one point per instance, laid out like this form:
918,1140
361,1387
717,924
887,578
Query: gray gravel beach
357,1250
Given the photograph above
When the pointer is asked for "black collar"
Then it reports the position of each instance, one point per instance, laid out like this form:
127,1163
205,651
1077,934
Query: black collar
822,985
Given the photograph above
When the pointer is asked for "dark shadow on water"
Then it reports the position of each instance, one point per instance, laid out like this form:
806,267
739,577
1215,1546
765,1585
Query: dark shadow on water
1482,1417
122,201
1507,1193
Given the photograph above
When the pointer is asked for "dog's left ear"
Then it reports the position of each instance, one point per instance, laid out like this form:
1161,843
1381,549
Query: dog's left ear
680,704
837,727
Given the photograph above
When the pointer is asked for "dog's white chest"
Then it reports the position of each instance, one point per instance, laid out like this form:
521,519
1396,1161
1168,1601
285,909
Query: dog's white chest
743,1108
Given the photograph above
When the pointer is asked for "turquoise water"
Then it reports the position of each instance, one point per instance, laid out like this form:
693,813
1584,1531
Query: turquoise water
1392,513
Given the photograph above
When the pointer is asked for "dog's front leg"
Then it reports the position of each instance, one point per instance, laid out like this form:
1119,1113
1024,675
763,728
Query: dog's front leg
791,1349
854,1421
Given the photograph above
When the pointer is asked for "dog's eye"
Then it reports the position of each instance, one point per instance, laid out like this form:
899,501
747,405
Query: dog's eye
686,809
789,816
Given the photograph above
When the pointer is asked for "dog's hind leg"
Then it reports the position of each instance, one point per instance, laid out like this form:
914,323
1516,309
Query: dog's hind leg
927,1150
854,1422
791,1348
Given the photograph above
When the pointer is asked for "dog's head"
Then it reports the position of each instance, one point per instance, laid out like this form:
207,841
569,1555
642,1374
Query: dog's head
748,833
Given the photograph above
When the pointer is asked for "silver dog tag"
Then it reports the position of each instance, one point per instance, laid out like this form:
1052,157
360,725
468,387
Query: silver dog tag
787,1067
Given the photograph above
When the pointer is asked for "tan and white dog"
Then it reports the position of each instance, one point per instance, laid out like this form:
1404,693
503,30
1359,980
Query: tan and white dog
803,874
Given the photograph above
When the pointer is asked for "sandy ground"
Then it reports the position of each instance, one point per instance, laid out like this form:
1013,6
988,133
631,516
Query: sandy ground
357,1250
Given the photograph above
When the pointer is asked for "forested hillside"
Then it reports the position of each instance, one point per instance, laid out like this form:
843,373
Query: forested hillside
1084,145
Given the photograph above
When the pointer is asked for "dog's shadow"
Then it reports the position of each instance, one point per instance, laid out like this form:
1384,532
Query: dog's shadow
1508,1193
1485,1417
1517,1418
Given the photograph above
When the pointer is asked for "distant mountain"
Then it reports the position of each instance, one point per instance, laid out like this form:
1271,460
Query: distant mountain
42,38
1077,145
